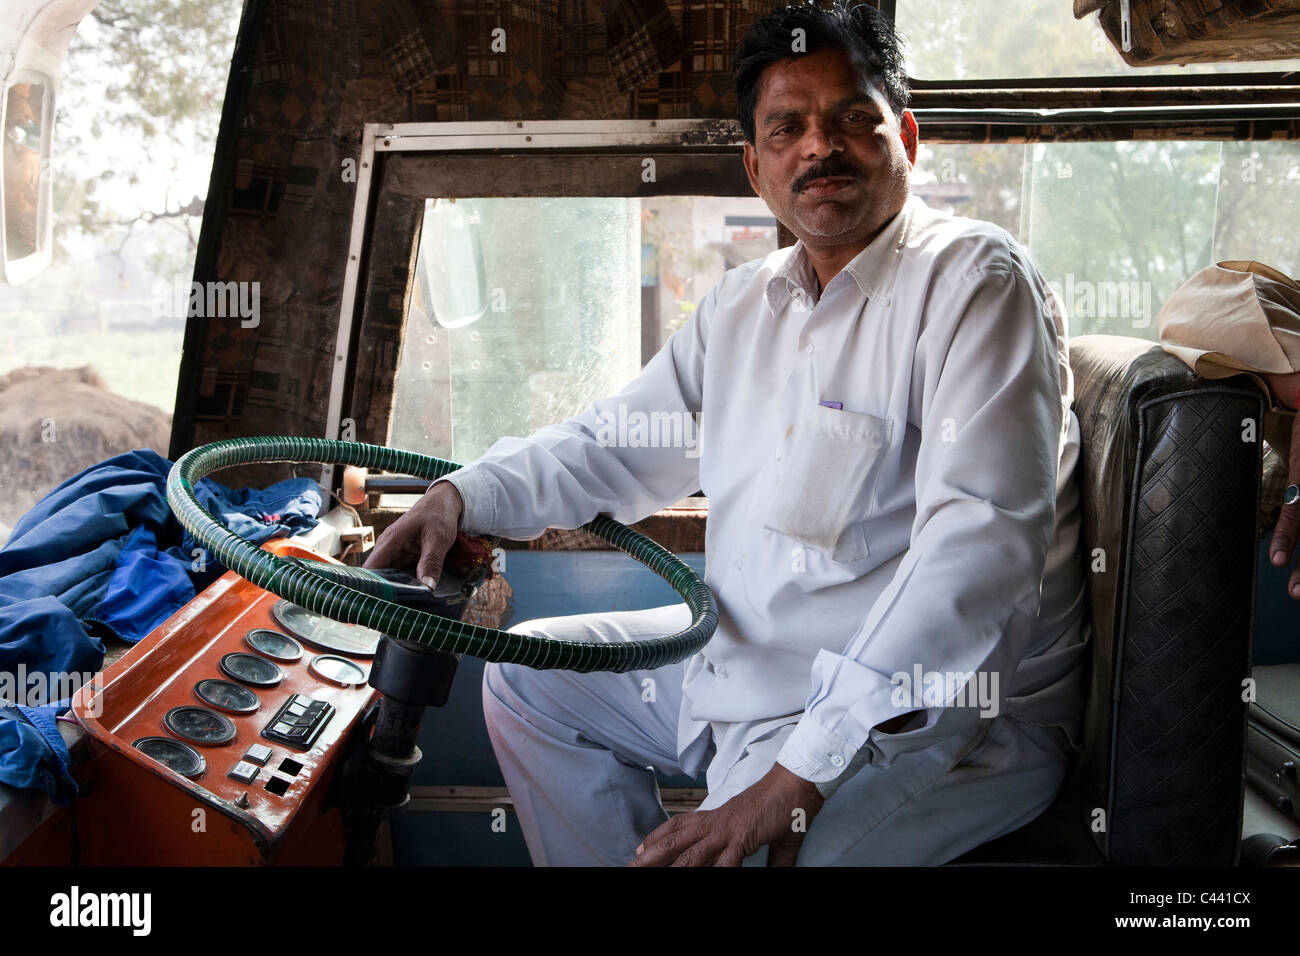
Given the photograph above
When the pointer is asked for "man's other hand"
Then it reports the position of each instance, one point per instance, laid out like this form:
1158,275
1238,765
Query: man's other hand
423,536
775,812
1288,523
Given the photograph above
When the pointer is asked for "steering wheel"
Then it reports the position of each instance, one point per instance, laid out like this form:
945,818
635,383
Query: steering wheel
327,594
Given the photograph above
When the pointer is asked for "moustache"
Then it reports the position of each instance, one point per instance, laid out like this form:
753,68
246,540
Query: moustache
824,170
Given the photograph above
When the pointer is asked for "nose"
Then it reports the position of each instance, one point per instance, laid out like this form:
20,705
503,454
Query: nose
820,139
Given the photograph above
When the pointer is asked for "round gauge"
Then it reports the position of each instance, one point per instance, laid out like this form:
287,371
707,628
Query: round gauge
251,669
227,696
282,647
199,725
337,670
172,754
351,639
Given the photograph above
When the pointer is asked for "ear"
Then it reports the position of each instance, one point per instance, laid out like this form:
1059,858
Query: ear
907,131
750,158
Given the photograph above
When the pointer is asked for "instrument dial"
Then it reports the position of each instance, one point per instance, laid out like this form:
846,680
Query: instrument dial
226,695
338,670
273,644
251,669
351,639
200,725
173,754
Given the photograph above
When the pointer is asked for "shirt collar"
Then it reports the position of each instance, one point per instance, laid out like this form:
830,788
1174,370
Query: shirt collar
873,269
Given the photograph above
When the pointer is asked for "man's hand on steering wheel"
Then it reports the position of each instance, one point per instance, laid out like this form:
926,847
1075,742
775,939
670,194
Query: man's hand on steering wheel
764,815
422,537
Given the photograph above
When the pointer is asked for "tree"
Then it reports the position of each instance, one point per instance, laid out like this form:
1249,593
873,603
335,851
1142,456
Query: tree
140,104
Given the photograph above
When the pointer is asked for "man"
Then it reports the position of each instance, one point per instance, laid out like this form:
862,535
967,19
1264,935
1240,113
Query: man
887,449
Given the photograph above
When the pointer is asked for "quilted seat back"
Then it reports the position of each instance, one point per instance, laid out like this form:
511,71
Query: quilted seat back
1169,483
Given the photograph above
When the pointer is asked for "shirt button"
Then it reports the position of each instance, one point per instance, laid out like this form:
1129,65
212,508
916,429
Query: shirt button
722,672
739,564
778,454
810,348
836,760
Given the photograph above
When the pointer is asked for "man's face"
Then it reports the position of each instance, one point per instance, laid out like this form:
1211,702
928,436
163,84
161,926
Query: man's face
829,156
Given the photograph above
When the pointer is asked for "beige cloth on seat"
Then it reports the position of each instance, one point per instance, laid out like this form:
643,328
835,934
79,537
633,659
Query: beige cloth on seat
1235,317
1238,318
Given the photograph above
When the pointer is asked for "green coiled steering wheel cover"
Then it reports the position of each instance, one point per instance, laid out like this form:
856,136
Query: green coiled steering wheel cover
343,603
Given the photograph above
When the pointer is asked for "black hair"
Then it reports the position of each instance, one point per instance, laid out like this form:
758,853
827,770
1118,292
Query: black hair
859,29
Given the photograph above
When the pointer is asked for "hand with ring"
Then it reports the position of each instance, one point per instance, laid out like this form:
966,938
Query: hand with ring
1287,531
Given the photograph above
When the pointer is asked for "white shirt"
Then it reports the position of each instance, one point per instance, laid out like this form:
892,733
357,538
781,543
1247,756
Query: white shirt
929,527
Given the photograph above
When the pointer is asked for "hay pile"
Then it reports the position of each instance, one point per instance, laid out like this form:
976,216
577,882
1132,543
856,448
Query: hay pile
57,422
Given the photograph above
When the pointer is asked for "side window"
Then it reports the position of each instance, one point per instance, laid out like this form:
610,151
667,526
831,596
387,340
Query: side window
1117,227
91,347
523,311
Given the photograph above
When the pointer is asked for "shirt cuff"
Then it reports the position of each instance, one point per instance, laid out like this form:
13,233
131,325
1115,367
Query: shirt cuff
478,499
823,758
827,760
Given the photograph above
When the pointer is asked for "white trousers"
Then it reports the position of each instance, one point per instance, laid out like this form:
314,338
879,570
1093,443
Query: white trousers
577,751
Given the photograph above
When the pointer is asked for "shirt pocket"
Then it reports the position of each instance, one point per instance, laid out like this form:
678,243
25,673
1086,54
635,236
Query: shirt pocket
825,493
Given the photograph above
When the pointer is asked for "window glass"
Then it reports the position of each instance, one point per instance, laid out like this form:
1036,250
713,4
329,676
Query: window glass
1117,227
996,40
523,311
1259,204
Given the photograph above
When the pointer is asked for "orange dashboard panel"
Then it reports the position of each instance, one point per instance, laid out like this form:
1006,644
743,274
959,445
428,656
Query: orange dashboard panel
215,740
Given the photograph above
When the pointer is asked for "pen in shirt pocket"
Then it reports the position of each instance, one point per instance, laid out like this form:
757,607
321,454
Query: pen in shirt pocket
836,405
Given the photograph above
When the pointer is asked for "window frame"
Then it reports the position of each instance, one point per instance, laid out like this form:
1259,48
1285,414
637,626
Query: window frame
398,164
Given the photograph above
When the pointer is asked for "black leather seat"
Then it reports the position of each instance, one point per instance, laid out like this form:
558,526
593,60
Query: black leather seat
1169,476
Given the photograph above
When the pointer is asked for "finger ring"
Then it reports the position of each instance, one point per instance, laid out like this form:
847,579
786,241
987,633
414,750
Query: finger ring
1292,495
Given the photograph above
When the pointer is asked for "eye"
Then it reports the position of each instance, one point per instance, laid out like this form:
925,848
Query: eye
781,131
